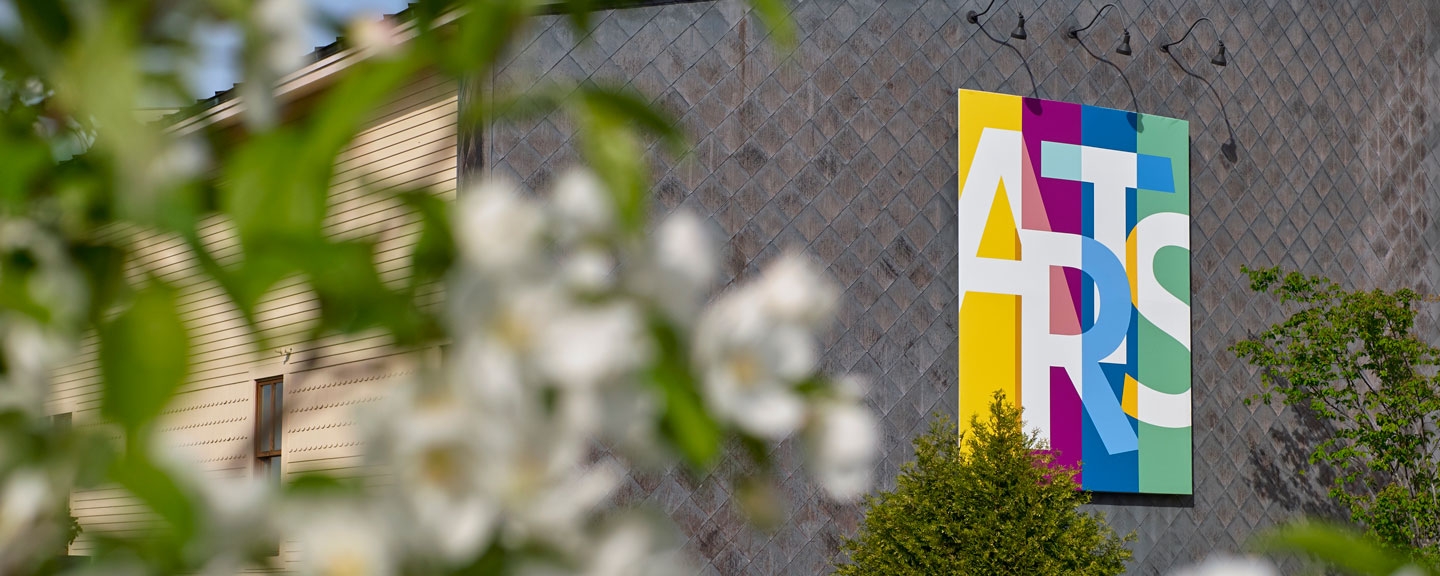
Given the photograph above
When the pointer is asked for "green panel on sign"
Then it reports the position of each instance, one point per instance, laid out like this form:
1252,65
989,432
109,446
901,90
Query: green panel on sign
1168,137
1172,271
1164,363
1163,468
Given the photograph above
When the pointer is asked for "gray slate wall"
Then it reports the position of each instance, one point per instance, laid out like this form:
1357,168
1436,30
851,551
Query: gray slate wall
850,153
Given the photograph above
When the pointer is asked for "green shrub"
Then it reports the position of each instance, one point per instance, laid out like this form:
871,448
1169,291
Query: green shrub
1353,360
995,506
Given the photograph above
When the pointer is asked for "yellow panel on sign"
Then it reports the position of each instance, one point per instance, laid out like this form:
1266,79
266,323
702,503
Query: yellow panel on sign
990,360
997,110
989,323
1001,239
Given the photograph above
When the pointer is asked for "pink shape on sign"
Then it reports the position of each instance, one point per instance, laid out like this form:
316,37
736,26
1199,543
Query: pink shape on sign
1064,313
1032,206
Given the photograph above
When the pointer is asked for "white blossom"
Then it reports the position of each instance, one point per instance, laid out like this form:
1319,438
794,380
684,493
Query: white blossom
589,270
338,539
624,551
849,388
581,204
589,345
1230,566
179,161
757,342
633,547
283,24
685,253
26,498
569,496
30,352
498,230
845,440
750,362
488,369
794,290
375,36
439,465
238,505
535,470
509,443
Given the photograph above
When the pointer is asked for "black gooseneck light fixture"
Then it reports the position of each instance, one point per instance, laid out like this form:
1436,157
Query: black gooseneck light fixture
973,17
1228,149
1123,49
1219,59
1018,33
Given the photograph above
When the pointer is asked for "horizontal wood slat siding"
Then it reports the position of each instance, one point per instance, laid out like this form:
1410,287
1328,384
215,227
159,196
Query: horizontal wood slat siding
410,144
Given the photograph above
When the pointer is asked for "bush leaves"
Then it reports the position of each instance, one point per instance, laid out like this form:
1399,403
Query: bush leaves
144,357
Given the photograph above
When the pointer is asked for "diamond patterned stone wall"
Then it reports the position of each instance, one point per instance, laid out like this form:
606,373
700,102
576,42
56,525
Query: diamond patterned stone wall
847,150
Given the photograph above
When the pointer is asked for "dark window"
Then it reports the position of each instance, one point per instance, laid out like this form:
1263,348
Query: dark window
270,469
61,422
268,416
269,412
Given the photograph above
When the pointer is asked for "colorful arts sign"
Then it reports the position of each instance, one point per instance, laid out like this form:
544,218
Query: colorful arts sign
1075,283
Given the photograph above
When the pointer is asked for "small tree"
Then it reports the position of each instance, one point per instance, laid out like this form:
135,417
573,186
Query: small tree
989,501
1354,361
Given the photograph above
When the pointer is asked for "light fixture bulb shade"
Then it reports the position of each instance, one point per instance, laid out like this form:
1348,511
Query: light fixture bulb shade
1219,59
1019,33
1124,48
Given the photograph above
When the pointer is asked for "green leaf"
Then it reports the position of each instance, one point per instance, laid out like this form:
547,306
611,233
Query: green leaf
614,150
21,163
1337,547
104,269
776,16
48,20
314,484
272,189
579,12
154,487
635,108
686,423
434,252
345,281
144,357
347,107
485,29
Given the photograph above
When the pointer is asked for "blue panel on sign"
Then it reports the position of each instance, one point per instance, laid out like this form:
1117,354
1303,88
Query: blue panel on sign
1106,128
1115,375
1154,173
1100,470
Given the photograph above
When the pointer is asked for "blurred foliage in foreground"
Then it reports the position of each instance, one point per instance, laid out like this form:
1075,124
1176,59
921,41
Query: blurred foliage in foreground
1325,548
569,327
987,502
1354,361
1345,550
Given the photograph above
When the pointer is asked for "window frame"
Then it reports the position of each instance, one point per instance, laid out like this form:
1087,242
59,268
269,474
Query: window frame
277,413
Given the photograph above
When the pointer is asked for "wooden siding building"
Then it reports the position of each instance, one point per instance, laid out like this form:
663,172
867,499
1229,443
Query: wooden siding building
236,388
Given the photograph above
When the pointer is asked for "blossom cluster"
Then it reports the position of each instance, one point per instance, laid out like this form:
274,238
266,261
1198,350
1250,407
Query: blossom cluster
560,323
